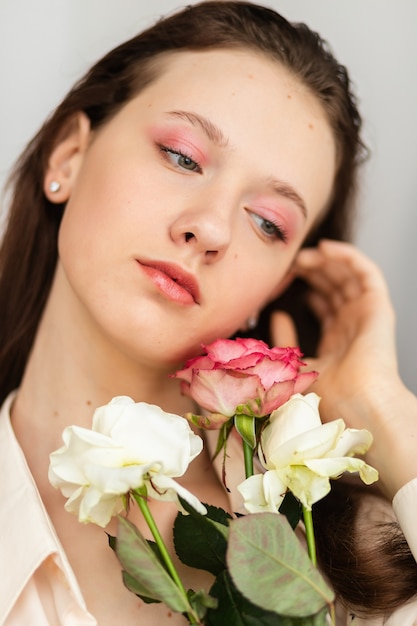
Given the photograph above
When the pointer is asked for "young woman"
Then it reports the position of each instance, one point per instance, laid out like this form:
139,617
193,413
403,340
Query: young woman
162,206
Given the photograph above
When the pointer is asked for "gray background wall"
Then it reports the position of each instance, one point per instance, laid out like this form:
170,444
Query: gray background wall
47,44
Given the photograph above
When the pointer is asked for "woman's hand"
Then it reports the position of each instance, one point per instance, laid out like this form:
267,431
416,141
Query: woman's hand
357,353
356,357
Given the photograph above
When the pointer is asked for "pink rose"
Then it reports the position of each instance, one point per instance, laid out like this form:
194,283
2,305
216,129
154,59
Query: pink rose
243,376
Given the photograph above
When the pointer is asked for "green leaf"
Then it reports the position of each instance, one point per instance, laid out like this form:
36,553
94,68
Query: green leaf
112,541
291,508
201,540
143,566
201,601
215,513
245,426
234,609
264,554
135,587
152,544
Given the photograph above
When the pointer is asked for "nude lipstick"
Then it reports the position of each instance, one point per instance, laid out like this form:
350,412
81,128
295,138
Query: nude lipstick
172,281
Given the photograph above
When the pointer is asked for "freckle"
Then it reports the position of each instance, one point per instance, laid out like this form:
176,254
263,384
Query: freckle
311,126
250,76
88,402
289,96
56,413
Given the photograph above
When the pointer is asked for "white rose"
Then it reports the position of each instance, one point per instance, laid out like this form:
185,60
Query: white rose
130,445
300,454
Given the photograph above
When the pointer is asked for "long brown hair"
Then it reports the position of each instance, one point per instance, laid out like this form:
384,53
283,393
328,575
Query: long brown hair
361,548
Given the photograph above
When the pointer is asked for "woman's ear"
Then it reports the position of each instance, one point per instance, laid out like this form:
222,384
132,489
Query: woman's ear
66,158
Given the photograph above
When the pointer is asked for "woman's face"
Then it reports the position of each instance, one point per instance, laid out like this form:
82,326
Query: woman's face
186,210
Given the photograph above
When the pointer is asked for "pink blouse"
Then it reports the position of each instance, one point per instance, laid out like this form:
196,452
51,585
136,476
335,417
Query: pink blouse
38,585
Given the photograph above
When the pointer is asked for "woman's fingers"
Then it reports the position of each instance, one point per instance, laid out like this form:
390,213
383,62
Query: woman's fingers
338,265
283,330
340,275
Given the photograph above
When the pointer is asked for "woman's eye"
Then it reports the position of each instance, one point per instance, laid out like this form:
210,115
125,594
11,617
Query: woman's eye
179,159
270,229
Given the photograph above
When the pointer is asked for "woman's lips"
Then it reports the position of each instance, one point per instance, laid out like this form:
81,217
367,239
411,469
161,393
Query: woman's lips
174,282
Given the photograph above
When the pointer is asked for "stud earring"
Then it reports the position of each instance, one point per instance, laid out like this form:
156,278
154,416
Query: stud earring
54,186
252,322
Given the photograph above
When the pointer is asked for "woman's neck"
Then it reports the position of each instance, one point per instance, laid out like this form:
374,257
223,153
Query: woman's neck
71,371
75,366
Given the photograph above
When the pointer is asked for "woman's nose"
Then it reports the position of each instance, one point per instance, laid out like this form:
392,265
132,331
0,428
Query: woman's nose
206,231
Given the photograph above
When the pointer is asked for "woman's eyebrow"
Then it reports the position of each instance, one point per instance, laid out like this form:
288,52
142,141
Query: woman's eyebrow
285,190
212,131
215,134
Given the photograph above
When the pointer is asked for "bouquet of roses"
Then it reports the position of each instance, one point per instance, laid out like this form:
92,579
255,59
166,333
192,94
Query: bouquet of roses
134,451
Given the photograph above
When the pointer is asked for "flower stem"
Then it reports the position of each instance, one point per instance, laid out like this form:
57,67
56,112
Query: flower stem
140,498
248,458
311,543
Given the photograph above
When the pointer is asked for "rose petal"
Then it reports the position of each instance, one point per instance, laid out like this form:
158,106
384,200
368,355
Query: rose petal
352,441
221,392
226,350
262,492
306,485
166,489
304,380
119,480
94,508
335,467
253,494
312,444
298,415
142,445
197,363
276,396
